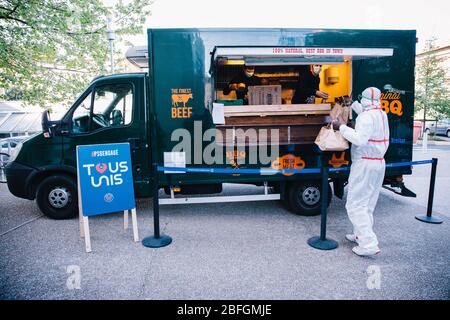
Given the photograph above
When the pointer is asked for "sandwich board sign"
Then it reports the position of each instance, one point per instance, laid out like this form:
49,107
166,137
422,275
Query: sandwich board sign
105,184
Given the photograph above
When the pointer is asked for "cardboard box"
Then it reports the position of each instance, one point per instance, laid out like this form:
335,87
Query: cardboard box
264,95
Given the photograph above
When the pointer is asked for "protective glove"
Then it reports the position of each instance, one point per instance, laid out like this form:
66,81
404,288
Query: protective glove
357,107
233,86
337,123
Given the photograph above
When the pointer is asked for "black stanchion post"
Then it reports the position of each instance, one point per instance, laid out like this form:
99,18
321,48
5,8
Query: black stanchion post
157,240
321,242
428,217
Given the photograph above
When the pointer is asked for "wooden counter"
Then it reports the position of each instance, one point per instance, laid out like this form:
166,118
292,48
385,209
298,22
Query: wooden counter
276,110
296,124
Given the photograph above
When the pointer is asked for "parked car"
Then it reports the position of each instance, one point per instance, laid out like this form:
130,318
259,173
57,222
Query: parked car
442,127
8,144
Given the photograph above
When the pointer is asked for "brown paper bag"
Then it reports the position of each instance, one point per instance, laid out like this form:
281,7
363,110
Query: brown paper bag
330,140
340,111
345,113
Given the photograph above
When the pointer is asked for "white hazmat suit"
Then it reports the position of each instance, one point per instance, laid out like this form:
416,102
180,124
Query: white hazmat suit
370,141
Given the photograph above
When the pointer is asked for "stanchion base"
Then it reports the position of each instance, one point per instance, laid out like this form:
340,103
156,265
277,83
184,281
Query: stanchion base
427,219
320,244
152,242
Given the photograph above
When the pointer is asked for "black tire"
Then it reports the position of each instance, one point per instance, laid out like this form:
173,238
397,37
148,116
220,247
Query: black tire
448,133
57,197
311,190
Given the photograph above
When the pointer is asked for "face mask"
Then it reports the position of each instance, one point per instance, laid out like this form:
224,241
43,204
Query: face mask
249,73
367,101
317,70
360,97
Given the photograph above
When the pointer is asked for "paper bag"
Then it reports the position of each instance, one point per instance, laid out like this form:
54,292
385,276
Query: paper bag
330,140
340,111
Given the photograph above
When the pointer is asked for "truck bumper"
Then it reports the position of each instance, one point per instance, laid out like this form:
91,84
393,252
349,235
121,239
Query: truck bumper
17,176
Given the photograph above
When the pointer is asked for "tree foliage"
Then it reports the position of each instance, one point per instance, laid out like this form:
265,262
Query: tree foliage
432,86
50,49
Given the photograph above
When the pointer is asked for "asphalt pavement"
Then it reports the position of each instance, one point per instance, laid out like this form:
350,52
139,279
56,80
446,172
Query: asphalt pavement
249,250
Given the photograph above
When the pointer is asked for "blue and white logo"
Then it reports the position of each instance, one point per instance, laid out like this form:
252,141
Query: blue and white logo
105,178
108,197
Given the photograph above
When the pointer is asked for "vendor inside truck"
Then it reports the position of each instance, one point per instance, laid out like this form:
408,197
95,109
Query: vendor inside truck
307,88
299,84
241,82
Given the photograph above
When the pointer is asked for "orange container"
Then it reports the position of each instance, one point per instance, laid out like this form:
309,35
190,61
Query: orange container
417,130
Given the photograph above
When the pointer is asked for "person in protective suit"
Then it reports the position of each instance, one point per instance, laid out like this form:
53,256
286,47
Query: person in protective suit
370,141
241,82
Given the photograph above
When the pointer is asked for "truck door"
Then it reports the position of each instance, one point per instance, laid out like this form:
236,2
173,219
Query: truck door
112,110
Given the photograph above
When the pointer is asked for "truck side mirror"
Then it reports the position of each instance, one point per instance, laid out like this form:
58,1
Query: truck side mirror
46,124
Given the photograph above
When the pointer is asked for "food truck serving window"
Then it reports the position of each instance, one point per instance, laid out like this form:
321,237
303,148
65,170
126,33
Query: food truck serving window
284,75
258,86
285,61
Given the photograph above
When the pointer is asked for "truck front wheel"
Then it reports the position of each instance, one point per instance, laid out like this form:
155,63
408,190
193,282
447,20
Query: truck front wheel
57,197
304,197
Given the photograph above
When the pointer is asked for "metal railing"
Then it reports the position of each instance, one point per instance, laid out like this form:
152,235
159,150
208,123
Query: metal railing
318,242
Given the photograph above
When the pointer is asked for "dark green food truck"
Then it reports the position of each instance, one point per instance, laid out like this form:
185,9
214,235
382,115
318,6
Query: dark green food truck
186,112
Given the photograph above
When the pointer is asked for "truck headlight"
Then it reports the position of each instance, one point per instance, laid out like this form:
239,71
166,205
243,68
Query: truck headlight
15,152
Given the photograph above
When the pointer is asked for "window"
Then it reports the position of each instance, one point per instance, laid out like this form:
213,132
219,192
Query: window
112,107
80,118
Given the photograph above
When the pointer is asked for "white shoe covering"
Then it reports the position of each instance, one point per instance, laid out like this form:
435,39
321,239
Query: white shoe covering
366,252
350,237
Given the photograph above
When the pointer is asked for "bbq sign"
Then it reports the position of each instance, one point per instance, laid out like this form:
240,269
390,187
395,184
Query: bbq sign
105,180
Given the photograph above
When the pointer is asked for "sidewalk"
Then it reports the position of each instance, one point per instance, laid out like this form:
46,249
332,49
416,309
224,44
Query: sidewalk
443,141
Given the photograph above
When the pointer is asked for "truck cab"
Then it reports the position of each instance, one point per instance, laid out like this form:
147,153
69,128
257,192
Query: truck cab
111,109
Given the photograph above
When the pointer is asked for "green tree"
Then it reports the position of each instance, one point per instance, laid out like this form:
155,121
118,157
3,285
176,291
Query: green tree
432,86
50,49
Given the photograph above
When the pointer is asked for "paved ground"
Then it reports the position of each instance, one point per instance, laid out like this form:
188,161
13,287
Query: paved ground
231,251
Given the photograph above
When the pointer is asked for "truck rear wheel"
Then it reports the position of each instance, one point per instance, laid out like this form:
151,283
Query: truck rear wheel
304,197
57,197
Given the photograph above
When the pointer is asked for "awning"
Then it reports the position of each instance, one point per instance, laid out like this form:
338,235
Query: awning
295,55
